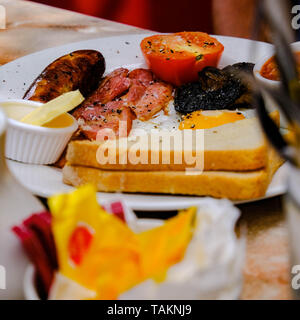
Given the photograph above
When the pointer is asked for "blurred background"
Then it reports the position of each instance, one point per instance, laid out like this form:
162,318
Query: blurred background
170,15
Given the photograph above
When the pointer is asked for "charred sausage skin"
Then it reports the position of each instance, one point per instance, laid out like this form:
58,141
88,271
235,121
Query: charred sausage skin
81,69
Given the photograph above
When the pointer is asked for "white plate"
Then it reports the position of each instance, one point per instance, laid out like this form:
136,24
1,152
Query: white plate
15,77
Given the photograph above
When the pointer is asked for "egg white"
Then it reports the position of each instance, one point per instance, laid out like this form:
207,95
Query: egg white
170,122
159,122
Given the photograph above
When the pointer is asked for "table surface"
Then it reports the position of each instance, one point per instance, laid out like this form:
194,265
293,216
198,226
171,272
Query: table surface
32,27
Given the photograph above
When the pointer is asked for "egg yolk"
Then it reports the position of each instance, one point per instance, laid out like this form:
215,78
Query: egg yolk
209,119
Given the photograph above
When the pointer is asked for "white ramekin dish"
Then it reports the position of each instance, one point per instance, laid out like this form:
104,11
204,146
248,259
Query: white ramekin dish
272,84
34,144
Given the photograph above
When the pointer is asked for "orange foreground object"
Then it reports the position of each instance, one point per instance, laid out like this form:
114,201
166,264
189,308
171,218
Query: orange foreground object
177,58
270,71
101,253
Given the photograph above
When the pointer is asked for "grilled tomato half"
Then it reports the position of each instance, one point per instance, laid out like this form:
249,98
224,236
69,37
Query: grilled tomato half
177,58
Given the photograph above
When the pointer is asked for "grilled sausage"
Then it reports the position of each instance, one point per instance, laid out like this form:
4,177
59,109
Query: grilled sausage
80,69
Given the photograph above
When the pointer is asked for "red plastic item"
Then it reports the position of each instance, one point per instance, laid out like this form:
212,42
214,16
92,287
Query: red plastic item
79,243
118,210
37,239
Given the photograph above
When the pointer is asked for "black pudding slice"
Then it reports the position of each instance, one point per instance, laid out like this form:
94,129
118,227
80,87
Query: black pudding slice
216,90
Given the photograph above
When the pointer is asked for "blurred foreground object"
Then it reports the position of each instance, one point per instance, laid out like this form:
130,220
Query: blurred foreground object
194,255
286,96
94,248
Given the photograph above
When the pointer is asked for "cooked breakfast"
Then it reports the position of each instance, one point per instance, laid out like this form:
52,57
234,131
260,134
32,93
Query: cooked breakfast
130,158
183,91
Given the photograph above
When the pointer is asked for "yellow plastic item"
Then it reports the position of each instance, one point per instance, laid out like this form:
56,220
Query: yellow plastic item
112,242
165,246
101,253
54,108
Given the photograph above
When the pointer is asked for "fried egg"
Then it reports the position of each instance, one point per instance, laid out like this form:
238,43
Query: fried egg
170,120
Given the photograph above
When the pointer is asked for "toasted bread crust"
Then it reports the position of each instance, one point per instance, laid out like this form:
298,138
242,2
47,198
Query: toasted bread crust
207,184
218,184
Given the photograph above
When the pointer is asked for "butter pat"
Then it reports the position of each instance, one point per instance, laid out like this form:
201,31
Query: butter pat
54,108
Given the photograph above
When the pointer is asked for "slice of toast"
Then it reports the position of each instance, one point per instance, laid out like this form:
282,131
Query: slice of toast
218,184
238,146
